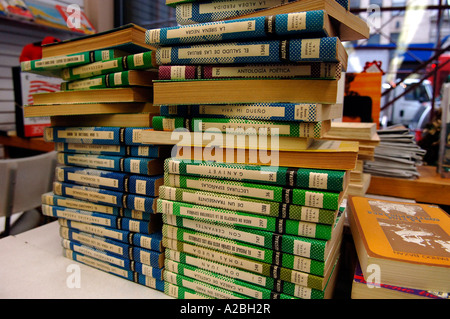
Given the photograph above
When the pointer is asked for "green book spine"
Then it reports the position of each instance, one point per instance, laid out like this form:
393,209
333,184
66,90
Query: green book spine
257,191
182,293
236,218
301,247
243,126
226,282
245,204
198,286
140,61
233,270
118,79
332,180
68,61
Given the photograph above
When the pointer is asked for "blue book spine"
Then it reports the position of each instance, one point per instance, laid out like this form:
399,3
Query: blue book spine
207,11
144,185
93,135
117,248
310,24
175,110
263,51
141,203
148,241
152,151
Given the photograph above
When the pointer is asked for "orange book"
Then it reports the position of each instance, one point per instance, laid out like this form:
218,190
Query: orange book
401,244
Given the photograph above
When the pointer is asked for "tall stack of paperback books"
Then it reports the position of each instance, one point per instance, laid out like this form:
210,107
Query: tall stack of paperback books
107,182
251,201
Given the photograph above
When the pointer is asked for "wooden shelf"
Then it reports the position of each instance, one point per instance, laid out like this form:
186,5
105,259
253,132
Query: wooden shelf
430,188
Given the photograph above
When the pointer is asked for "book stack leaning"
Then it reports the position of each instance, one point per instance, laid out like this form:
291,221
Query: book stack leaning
252,195
107,182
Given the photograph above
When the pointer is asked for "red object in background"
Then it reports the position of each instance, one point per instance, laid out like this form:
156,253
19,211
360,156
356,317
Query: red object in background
33,51
442,74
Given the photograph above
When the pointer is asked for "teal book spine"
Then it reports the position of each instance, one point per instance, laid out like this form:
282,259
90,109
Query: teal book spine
261,51
311,23
332,180
115,150
149,241
179,292
239,219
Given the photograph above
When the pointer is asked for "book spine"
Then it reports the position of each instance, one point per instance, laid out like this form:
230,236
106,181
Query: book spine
67,61
271,255
178,292
264,51
96,82
116,248
192,13
243,126
140,61
227,282
332,180
235,218
299,23
148,241
56,200
94,149
148,281
304,70
198,286
93,135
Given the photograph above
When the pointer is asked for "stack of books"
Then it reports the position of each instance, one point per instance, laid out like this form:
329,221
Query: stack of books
107,181
252,195
402,249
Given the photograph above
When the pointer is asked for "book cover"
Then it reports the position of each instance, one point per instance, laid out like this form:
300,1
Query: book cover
301,112
206,11
136,226
133,165
83,25
139,61
18,9
328,49
46,14
132,276
114,247
52,199
263,192
409,242
106,197
310,198
307,24
333,180
243,126
313,70
114,150
129,183
149,241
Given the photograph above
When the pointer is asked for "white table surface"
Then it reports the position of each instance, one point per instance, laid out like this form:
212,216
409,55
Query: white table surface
32,267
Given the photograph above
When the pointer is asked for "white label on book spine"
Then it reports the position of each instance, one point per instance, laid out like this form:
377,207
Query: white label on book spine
177,72
138,59
88,134
139,203
85,206
296,21
166,206
223,258
99,255
117,78
147,270
314,199
85,84
302,292
185,10
168,124
207,291
137,136
215,29
299,278
231,173
95,67
143,150
93,162
318,180
303,111
106,55
231,6
225,270
101,181
307,229
135,166
154,35
145,242
99,231
26,66
93,148
233,204
134,225
259,128
223,217
222,231
165,55
223,245
83,217
253,110
141,187
302,248
150,282
58,61
261,71
225,51
302,264
92,196
237,190
310,214
310,49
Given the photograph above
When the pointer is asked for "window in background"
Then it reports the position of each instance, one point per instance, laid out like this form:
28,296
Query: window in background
148,14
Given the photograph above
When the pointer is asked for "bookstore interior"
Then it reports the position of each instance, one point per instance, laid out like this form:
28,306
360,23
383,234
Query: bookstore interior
224,149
